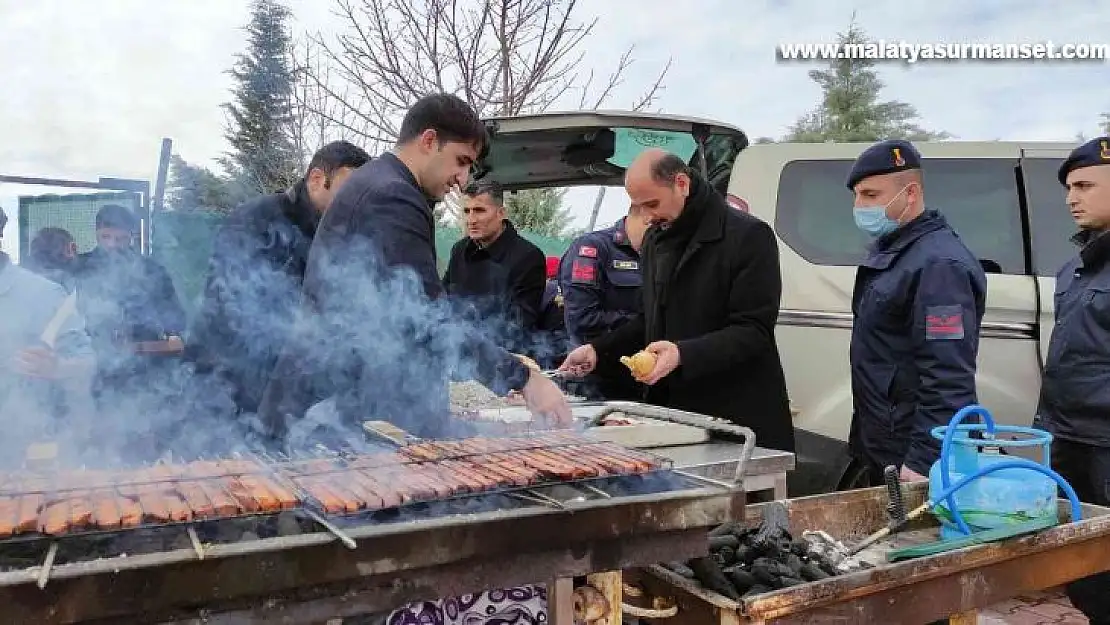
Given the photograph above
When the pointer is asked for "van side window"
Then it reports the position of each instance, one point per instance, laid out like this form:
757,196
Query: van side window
1049,219
978,196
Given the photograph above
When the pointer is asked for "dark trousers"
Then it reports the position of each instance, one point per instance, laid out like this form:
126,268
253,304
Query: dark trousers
1087,469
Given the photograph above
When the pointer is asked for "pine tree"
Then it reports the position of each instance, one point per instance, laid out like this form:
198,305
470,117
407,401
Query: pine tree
263,154
539,211
197,188
850,109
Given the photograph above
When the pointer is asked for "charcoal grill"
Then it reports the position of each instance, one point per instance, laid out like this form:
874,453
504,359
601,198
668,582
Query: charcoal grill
306,565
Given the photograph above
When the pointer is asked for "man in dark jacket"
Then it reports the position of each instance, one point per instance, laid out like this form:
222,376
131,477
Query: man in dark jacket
497,271
129,301
254,279
918,303
378,337
711,289
1075,398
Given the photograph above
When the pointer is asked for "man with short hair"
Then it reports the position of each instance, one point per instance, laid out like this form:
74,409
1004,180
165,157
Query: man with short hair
53,256
254,279
918,303
1075,404
378,337
129,302
711,289
600,277
496,270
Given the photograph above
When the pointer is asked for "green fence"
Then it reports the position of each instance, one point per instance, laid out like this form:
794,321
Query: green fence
182,242
73,212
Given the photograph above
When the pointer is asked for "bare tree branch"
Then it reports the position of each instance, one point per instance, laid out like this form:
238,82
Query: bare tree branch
505,57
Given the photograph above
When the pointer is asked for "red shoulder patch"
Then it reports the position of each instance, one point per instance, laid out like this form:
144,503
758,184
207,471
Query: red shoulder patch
584,272
587,251
944,323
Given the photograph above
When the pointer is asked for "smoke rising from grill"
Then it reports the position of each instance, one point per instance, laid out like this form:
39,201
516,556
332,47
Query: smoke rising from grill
370,344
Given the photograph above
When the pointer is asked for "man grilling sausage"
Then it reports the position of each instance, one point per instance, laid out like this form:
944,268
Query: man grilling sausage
254,279
379,339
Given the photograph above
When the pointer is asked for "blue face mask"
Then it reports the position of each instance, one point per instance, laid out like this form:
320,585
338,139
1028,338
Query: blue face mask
873,219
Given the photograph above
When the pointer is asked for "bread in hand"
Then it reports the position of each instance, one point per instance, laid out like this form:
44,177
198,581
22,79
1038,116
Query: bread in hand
641,363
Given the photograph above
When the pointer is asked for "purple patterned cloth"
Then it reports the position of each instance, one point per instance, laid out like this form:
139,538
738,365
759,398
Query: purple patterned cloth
522,605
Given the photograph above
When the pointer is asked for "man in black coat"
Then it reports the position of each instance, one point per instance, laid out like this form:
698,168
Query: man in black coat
378,338
254,280
496,270
128,299
711,289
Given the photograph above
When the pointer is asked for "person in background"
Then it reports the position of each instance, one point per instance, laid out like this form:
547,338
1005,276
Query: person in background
711,290
254,279
53,256
918,303
135,321
600,277
499,273
47,360
550,342
377,338
1075,403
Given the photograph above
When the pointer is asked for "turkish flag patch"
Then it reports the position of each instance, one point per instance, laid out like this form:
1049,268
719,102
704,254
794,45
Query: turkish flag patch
584,272
587,251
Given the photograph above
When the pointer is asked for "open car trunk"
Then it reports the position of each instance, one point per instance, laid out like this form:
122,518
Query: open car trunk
595,147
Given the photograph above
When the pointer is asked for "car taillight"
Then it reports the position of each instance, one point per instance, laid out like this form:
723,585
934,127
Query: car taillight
738,203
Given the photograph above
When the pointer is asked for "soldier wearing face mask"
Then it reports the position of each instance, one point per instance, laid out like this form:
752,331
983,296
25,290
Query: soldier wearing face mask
918,302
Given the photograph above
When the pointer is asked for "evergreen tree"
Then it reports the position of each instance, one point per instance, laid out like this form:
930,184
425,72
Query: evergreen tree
539,211
263,154
850,109
196,188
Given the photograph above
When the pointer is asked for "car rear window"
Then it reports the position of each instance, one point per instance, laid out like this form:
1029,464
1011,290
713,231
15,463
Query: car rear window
978,196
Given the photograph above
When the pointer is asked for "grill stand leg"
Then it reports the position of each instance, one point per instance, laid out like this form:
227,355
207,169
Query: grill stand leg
560,601
609,585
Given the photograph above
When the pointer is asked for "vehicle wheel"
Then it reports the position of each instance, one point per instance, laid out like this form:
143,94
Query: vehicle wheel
855,477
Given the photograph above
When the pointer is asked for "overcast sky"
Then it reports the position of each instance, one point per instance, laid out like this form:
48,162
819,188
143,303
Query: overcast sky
88,89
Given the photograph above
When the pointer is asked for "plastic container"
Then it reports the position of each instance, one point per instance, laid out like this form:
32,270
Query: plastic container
1004,497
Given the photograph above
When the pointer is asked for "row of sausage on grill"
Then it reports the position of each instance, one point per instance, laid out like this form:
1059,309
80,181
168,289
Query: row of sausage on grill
159,494
93,500
354,488
443,449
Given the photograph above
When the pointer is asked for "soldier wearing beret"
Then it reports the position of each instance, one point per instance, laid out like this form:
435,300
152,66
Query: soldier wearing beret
918,302
1075,398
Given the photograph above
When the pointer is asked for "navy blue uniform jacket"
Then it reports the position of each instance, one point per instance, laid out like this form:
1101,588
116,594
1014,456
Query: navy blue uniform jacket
376,334
252,291
600,278
918,303
719,304
1075,394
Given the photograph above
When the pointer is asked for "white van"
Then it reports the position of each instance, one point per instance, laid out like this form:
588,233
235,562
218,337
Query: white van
1004,201
1001,197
